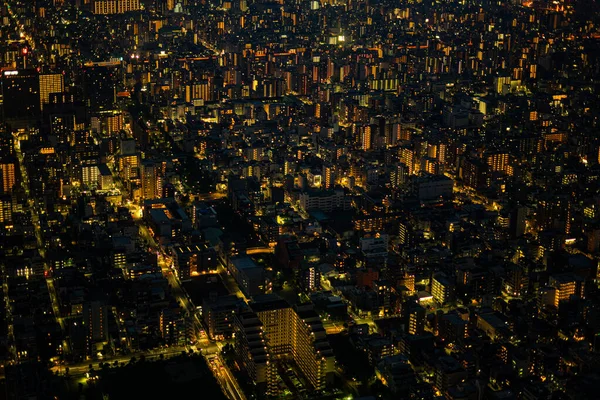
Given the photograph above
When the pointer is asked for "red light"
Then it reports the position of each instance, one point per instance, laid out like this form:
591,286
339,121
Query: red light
24,51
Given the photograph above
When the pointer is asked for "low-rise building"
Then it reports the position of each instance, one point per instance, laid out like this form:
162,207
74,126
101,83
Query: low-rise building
194,260
324,200
249,276
218,314
429,187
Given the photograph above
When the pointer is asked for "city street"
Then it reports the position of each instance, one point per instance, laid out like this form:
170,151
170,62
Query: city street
83,367
35,219
206,347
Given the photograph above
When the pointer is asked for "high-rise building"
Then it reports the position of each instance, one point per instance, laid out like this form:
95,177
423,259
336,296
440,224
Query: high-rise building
63,114
5,208
151,180
218,313
7,172
416,319
518,222
566,285
113,123
442,289
404,233
129,166
328,176
108,7
90,174
95,316
367,137
252,352
6,140
406,157
309,277
399,175
173,327
474,173
49,84
383,290
554,212
21,94
593,240
296,332
498,162
516,281
100,84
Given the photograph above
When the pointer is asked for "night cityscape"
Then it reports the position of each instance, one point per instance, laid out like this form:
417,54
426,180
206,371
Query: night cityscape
300,199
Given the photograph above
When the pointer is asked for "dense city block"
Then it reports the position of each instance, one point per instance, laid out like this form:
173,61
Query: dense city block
300,199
